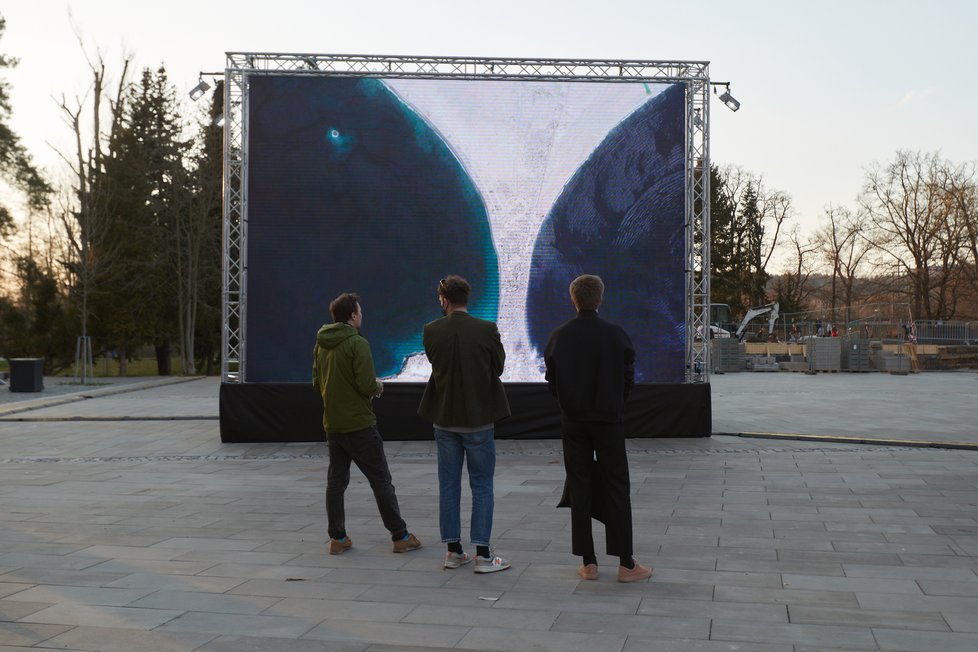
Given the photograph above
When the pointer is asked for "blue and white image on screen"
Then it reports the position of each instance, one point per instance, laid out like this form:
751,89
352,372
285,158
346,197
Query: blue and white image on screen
382,187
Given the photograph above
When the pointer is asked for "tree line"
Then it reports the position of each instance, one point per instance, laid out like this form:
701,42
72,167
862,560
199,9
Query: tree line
127,251
911,237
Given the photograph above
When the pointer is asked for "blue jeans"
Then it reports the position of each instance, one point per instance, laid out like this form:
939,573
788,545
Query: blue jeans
478,450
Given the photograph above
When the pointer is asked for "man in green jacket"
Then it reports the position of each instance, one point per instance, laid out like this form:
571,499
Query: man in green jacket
343,373
463,399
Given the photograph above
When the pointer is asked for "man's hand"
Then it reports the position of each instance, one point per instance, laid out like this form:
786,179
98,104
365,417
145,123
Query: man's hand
380,389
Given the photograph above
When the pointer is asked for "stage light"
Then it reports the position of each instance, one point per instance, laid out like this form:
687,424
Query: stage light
219,121
697,120
729,100
198,91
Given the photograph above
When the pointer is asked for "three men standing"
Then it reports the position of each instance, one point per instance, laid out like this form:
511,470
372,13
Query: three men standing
464,398
590,370
343,373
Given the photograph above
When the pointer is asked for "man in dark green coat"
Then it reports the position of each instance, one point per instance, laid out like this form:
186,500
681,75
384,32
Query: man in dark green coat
343,373
463,399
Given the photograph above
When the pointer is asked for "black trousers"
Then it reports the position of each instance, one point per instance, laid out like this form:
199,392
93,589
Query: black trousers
583,443
365,448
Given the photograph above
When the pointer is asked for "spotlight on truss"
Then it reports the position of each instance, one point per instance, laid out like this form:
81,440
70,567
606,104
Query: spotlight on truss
729,100
198,91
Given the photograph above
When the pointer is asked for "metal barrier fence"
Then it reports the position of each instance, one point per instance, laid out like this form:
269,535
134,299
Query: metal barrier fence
946,332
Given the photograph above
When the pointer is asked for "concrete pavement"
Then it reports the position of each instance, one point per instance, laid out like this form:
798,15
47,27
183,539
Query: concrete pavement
147,533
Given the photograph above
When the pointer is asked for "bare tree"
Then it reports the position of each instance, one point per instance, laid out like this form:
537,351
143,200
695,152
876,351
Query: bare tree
85,215
906,202
961,195
792,286
845,245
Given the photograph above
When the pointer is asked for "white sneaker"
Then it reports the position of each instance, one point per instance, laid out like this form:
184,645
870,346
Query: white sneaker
490,564
455,559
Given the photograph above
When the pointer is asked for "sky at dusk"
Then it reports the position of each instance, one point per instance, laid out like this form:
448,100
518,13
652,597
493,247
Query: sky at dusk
826,88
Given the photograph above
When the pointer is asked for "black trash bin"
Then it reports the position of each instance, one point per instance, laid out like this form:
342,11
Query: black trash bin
26,374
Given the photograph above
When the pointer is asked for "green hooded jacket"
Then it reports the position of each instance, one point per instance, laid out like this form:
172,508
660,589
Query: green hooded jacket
343,374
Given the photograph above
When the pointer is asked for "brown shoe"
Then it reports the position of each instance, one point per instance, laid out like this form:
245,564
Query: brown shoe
410,543
636,574
588,572
337,547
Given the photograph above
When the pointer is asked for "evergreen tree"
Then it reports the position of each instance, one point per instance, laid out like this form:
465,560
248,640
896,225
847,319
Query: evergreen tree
16,166
149,186
725,271
208,175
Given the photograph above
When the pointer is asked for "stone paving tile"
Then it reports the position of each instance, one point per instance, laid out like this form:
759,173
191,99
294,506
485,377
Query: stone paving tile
503,640
575,603
910,571
17,634
645,644
176,582
303,589
407,634
54,562
199,601
542,617
718,578
735,611
916,641
80,595
102,616
907,602
17,609
61,577
920,620
944,587
784,596
264,572
153,566
114,639
961,621
767,566
850,584
9,588
860,638
637,625
652,588
312,609
266,644
239,624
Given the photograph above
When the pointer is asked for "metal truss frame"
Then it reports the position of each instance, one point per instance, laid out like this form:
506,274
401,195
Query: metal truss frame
694,75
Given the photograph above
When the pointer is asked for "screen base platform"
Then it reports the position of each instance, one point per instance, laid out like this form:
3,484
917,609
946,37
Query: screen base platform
293,412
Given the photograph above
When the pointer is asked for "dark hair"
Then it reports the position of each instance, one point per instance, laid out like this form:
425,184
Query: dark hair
587,291
455,289
343,306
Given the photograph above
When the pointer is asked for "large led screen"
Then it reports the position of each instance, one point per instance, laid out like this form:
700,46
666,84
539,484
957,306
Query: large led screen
384,186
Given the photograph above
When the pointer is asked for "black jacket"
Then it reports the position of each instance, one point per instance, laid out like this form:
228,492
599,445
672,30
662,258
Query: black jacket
467,358
590,368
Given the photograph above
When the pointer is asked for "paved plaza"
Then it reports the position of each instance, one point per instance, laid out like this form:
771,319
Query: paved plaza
126,525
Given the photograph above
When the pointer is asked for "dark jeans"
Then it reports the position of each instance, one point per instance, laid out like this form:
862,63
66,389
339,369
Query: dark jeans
366,449
584,442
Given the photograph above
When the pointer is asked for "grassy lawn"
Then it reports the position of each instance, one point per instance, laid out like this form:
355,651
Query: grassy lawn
109,367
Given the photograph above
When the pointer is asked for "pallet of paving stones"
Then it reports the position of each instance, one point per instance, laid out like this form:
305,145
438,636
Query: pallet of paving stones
826,353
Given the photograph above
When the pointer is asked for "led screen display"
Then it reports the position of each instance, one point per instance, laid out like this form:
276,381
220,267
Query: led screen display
384,186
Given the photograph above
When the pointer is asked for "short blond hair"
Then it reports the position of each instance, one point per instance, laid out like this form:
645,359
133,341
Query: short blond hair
587,291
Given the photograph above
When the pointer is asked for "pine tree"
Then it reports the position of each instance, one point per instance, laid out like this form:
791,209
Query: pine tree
16,166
